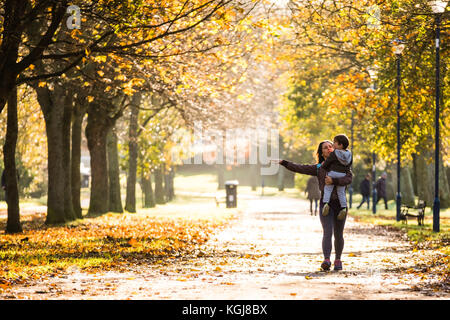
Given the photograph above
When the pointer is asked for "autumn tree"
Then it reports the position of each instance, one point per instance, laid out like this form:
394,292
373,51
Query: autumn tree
343,43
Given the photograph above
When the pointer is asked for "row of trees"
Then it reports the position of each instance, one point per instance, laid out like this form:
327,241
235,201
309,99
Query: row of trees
162,64
344,79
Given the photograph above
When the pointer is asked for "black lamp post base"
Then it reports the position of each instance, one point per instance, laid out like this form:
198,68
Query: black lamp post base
436,209
399,206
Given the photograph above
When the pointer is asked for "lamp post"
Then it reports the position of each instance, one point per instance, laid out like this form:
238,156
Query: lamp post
373,71
438,7
374,184
350,188
398,47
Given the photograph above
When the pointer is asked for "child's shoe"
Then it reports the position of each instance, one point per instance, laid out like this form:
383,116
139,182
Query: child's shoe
325,210
342,213
337,265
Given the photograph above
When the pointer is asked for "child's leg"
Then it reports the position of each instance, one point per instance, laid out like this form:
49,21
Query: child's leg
327,190
334,174
341,195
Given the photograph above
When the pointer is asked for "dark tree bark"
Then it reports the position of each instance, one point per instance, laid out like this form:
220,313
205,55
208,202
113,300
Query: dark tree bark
9,151
77,122
444,188
66,136
130,201
159,188
97,129
9,50
18,16
146,183
425,177
168,184
115,200
406,185
51,103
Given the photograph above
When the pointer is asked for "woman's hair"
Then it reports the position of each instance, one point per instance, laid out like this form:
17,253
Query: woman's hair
319,153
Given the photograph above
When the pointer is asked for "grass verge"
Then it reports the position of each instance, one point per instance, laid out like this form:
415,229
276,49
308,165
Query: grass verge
110,241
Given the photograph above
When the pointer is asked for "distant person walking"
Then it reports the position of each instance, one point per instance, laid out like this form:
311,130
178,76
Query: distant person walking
364,188
313,193
381,189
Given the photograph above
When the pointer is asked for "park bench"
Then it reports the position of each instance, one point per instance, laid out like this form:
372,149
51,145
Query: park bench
419,214
219,200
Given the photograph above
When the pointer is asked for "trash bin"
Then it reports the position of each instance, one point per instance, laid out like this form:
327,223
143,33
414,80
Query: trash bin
231,192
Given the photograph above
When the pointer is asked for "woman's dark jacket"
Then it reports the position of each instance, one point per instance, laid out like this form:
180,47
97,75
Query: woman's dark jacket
364,187
381,188
321,173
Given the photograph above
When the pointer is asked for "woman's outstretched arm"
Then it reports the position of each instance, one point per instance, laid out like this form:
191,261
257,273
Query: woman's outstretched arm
300,168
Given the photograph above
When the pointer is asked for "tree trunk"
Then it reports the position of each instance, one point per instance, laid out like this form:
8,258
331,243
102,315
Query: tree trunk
51,103
425,162
149,200
406,186
168,185
96,131
391,180
66,136
130,201
171,184
77,123
115,200
159,189
10,52
447,172
425,185
9,151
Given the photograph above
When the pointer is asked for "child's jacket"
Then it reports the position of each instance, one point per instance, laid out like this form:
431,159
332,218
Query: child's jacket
339,161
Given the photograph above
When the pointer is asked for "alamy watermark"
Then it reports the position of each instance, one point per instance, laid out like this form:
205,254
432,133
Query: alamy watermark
230,147
74,20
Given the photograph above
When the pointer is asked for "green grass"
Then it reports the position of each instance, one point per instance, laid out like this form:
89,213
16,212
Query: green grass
415,232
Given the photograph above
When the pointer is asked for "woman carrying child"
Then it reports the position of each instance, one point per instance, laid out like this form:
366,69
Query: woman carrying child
330,224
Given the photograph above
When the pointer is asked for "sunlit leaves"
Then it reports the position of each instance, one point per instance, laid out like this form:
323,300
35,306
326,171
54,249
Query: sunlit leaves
346,38
106,242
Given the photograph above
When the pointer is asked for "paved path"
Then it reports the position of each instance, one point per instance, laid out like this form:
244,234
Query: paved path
272,251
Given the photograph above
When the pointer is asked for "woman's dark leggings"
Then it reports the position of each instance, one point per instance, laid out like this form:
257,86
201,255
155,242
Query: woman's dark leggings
331,225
